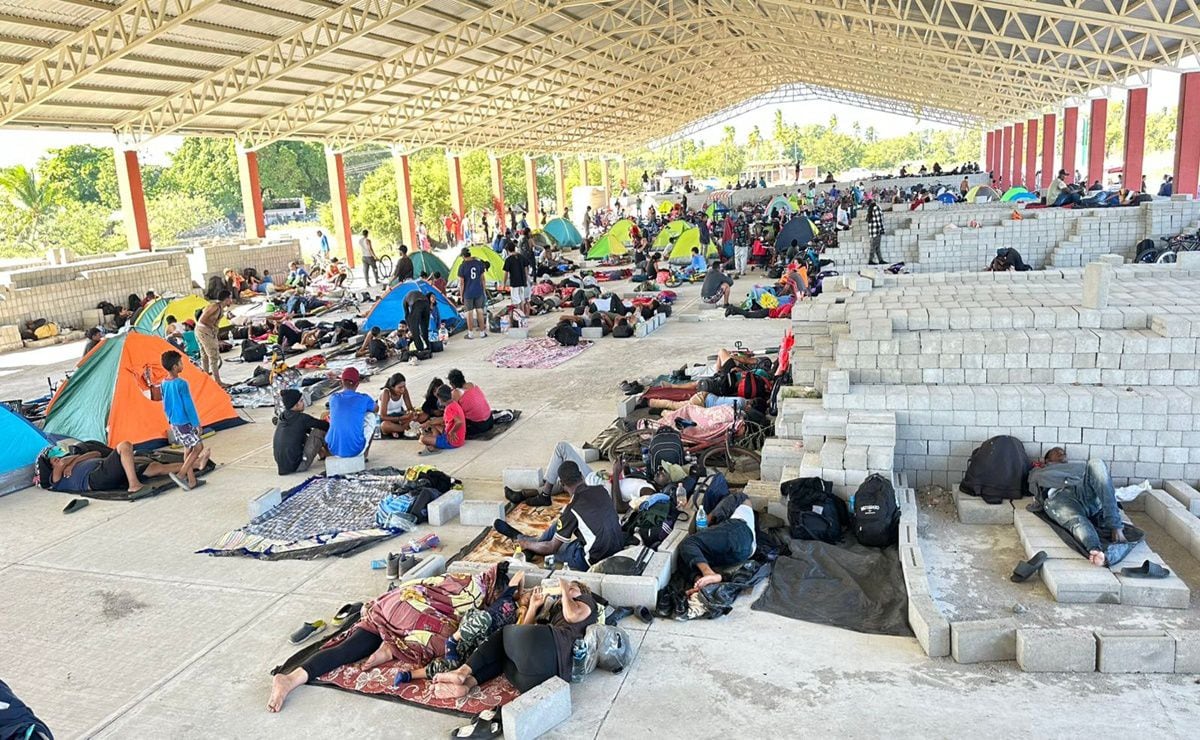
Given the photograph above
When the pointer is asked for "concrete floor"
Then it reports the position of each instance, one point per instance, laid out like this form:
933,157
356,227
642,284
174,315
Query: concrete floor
116,629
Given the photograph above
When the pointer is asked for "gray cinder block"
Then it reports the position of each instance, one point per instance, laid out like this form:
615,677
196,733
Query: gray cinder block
1059,650
480,513
974,510
1135,651
983,640
930,626
537,711
1187,651
592,332
630,590
432,565
1080,582
523,479
444,509
264,502
1184,494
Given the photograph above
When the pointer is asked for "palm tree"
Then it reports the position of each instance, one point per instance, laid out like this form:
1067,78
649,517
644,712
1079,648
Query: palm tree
26,193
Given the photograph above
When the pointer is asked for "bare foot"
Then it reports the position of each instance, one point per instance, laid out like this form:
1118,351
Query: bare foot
135,489
1096,557
379,657
282,685
703,581
454,690
456,676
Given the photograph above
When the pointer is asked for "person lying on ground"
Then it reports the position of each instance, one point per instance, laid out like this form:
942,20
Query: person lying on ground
352,418
448,432
587,531
529,653
715,288
702,398
475,407
1080,497
627,487
409,624
728,540
476,626
299,438
101,468
396,407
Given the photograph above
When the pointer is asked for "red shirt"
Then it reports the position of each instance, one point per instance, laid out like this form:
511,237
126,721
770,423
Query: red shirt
454,417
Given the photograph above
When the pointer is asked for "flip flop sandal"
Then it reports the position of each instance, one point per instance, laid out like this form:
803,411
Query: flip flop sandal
1147,569
75,505
347,611
426,453
643,613
307,630
487,725
1027,568
179,481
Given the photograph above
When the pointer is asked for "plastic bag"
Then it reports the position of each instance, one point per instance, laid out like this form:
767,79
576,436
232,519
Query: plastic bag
602,646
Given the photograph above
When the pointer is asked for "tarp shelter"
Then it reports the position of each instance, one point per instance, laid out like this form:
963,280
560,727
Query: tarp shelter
982,194
800,230
947,198
1017,193
429,263
781,205
493,261
106,399
150,314
182,308
22,443
563,232
669,232
389,311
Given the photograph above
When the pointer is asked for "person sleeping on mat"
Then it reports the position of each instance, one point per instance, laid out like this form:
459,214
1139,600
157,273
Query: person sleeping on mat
101,468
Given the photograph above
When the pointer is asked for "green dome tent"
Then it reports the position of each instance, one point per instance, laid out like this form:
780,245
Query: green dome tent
429,263
781,204
616,241
669,232
494,262
1013,193
688,238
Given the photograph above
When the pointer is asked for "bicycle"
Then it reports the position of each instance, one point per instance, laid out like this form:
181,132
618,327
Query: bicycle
731,453
1168,252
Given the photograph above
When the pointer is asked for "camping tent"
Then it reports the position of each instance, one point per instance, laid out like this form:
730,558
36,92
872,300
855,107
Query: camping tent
622,231
947,198
23,442
669,232
688,238
540,240
150,314
563,232
982,194
429,263
494,263
800,230
1017,193
389,311
606,246
716,209
666,207
182,308
106,398
781,204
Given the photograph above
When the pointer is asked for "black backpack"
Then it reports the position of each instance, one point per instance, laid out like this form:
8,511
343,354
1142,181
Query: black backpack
814,513
876,514
253,351
997,470
666,445
564,333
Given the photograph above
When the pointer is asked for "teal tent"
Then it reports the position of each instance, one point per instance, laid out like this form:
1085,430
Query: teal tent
563,232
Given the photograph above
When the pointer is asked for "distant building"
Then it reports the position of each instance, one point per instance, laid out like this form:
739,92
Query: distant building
776,172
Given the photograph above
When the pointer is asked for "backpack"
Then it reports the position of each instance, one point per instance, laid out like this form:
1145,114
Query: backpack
564,333
752,385
666,445
998,469
876,514
813,512
252,351
651,525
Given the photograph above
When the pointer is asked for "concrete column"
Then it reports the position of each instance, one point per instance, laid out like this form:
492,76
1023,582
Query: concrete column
583,172
531,189
1097,121
605,183
1031,135
1005,158
1070,141
560,186
133,200
1049,127
497,190
457,202
1018,160
408,218
343,235
1187,135
990,149
1135,137
252,203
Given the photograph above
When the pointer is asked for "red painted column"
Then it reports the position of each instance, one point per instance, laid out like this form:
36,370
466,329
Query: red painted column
1070,141
336,170
989,149
1005,158
1031,154
1097,121
1135,136
497,190
1187,135
133,199
404,200
1017,173
252,203
1049,122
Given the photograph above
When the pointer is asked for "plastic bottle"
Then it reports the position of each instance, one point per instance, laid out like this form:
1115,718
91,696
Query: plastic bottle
579,658
519,555
504,323
701,517
443,335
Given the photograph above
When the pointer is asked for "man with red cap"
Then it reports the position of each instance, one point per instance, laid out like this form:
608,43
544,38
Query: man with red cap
352,418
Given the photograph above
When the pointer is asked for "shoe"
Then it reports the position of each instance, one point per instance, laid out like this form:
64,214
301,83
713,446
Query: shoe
179,481
347,611
644,614
307,630
514,497
75,505
541,498
407,563
506,529
393,566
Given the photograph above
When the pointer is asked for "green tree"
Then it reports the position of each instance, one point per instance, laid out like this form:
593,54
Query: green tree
290,169
206,169
84,228
376,207
176,215
26,193
82,173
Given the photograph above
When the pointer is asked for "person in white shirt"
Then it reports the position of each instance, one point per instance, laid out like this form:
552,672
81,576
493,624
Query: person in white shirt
370,264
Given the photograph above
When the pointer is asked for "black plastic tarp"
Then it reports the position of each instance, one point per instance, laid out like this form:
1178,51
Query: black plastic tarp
849,586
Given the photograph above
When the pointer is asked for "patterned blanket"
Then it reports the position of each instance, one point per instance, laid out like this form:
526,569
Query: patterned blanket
538,354
492,547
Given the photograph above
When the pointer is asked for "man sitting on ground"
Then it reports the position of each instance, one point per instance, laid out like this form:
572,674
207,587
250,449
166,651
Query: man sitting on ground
352,418
728,540
716,285
587,531
101,468
626,487
1080,497
299,438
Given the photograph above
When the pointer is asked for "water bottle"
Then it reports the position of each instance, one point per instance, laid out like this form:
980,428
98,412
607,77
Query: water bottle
701,517
519,555
504,323
579,656
548,561
443,335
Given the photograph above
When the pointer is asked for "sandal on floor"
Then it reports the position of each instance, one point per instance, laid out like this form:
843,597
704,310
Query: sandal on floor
426,453
75,505
1148,569
307,630
487,725
347,611
1027,568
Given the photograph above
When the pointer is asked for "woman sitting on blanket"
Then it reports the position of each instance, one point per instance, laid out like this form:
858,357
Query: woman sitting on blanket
396,408
474,404
408,626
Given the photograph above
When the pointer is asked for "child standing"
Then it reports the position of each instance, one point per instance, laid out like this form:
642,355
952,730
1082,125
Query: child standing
183,419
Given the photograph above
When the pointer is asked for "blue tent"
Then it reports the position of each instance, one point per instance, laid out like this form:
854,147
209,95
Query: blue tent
389,312
799,229
18,454
947,198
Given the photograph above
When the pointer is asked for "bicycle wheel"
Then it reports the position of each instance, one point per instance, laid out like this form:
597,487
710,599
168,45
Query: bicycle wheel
1166,258
738,464
629,446
385,265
